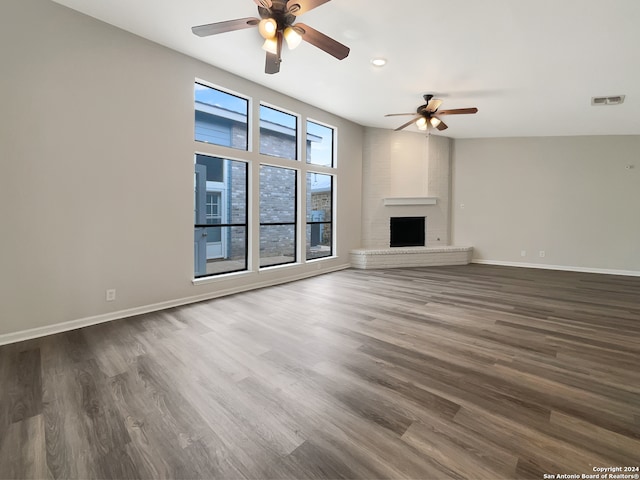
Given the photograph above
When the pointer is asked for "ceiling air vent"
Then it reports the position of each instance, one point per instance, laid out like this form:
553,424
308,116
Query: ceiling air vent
613,100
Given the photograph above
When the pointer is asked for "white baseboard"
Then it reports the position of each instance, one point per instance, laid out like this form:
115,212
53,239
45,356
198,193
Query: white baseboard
31,333
604,271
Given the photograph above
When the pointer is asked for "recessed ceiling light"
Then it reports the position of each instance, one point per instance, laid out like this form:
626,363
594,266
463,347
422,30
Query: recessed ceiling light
378,62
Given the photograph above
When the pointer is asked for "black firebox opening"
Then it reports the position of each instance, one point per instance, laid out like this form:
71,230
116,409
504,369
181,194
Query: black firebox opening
407,231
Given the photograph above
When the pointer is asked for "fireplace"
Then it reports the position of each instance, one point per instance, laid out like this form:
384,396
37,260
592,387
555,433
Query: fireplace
407,231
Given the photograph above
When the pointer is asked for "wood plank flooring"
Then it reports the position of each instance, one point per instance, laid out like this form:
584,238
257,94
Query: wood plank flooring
474,371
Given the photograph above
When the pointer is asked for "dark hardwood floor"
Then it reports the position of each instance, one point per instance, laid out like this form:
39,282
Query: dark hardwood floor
475,371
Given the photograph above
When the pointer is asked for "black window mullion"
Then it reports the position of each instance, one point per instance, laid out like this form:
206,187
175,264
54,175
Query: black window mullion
277,223
213,225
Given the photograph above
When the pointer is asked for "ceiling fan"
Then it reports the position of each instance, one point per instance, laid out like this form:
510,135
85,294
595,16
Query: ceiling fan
276,24
427,115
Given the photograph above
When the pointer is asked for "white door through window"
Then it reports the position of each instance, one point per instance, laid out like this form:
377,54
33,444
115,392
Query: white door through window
215,214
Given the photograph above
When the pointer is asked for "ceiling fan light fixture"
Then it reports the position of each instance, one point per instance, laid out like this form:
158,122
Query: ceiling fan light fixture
267,28
292,37
425,116
276,16
270,45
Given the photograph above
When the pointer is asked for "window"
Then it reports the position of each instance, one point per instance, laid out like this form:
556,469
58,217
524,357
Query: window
222,236
278,133
220,208
278,199
319,215
221,118
319,144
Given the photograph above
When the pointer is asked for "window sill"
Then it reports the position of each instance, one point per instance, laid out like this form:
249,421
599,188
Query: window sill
217,278
232,275
279,266
319,259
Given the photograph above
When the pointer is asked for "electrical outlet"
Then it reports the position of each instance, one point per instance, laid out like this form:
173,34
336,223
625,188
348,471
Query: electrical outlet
111,295
523,253
541,254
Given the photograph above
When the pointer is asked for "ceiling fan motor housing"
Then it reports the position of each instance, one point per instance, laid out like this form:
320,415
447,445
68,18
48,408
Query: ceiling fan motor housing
422,109
279,13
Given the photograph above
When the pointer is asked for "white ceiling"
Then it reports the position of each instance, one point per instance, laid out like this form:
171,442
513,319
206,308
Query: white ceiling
530,66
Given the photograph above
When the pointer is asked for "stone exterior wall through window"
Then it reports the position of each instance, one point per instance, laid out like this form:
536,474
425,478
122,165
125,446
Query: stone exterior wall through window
277,205
238,209
283,145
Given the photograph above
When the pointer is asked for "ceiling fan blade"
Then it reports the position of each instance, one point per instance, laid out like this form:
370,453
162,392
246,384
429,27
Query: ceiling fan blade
408,123
320,40
458,111
398,114
223,27
298,7
433,105
441,126
273,60
264,3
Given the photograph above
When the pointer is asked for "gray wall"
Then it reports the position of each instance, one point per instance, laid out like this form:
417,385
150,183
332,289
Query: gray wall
572,197
96,171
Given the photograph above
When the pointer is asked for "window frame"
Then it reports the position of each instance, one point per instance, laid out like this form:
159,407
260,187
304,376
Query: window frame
246,223
334,143
331,222
298,118
295,222
248,99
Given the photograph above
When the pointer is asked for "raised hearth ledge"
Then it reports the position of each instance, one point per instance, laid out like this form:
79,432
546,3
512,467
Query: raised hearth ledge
391,201
410,257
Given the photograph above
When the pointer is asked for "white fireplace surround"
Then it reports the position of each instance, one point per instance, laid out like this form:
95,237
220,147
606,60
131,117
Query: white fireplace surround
403,201
406,175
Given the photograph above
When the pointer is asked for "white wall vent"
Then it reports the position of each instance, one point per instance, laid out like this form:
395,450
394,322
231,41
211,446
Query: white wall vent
613,100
